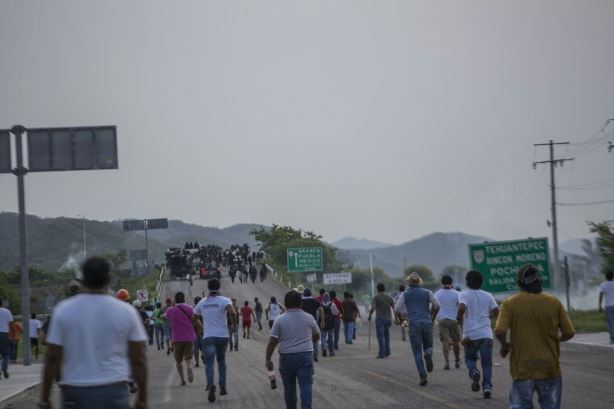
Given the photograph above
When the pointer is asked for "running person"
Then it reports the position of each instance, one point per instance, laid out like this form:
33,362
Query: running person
180,317
449,330
273,310
233,331
247,313
198,339
212,310
258,311
158,326
475,309
35,330
166,328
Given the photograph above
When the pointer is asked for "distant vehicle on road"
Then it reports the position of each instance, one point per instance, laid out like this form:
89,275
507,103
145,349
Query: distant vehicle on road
179,263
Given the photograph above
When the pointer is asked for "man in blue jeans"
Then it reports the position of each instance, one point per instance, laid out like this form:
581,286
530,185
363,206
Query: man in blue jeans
421,308
214,310
537,323
475,308
295,332
382,305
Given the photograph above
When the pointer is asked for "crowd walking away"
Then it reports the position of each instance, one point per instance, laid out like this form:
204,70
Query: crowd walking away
99,363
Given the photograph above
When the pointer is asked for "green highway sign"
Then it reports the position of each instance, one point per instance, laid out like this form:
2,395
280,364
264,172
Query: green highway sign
500,261
305,259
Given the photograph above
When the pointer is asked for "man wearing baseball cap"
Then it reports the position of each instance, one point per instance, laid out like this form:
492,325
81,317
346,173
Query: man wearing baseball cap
537,323
421,307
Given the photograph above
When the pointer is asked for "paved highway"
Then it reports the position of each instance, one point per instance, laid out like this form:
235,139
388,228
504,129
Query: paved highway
354,378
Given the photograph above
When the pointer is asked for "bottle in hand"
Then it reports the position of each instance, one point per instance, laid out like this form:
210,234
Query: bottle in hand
272,380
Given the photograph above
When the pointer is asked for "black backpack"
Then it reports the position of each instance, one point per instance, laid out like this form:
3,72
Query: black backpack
329,318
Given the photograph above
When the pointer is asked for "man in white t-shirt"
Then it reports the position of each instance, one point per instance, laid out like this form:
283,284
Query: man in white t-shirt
214,310
35,327
5,346
95,357
607,292
474,310
449,330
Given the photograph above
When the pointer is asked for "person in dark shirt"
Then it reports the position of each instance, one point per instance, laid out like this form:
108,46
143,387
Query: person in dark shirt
313,307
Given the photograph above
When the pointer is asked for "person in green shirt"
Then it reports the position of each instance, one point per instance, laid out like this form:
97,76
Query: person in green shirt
537,323
158,325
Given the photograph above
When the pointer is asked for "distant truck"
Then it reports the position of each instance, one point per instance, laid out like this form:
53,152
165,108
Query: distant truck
179,263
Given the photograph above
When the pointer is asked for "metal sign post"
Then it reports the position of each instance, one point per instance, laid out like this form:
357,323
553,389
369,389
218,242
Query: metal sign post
20,172
146,225
51,149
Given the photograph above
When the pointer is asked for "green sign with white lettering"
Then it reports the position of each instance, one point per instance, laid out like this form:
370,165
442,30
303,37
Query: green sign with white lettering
305,259
500,261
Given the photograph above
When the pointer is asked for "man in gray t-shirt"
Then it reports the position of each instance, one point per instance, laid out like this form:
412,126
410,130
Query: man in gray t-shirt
382,305
294,331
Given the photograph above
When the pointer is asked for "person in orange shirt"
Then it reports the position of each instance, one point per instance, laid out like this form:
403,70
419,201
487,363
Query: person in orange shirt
14,338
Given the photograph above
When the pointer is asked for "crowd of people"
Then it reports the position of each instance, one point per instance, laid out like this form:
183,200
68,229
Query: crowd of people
94,362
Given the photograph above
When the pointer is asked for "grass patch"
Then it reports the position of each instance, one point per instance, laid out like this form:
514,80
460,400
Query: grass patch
588,321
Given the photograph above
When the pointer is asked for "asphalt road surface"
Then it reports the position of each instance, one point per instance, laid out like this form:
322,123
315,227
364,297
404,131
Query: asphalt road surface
355,378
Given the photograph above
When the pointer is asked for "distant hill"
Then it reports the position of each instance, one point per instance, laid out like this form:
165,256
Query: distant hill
348,243
52,242
436,250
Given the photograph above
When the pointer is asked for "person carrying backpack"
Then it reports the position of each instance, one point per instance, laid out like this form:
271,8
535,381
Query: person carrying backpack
328,329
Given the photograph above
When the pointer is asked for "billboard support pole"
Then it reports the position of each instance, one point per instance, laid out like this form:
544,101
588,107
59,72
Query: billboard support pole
20,172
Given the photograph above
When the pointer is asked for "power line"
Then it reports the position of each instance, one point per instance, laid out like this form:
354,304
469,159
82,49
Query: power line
592,140
586,187
587,203
601,182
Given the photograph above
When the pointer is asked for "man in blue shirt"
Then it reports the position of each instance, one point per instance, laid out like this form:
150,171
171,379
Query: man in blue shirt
421,307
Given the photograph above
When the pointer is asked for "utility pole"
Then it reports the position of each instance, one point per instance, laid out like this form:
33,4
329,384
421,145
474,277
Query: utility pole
553,162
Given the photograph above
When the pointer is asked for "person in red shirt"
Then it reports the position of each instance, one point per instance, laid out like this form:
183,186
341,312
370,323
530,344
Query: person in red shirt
247,313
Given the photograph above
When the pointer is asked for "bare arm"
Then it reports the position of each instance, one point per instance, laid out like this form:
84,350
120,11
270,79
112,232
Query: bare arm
494,312
270,348
462,308
53,359
505,346
600,302
138,364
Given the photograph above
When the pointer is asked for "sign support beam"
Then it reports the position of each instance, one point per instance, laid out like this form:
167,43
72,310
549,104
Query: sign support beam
20,172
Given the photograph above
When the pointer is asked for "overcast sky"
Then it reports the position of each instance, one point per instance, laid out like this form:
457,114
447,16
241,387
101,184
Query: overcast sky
380,119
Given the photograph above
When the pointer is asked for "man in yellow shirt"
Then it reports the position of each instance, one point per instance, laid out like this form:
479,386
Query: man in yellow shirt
537,323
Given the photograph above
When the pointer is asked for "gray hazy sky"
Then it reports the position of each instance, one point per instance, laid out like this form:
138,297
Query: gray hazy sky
379,119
